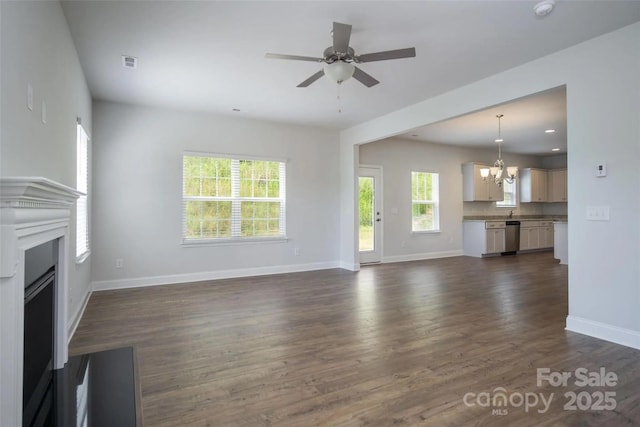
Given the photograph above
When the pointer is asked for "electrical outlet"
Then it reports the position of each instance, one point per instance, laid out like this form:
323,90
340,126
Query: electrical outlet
119,263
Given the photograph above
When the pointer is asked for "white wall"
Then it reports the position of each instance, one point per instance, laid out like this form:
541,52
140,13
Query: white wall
398,157
138,189
603,107
37,49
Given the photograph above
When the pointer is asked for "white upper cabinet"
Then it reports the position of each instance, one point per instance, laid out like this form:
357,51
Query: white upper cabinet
533,185
475,189
557,185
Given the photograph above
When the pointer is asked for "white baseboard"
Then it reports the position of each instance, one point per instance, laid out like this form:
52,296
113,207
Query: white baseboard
75,318
422,256
603,331
209,275
349,266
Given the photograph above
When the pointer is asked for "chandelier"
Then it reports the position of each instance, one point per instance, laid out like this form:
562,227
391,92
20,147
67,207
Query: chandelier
498,172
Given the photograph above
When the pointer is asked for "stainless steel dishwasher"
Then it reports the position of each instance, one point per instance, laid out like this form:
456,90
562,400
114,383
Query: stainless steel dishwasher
512,237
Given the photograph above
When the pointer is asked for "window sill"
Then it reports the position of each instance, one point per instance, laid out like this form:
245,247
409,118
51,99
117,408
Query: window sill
232,242
426,232
83,257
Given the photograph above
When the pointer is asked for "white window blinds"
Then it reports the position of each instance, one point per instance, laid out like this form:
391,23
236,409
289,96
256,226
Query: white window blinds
82,184
227,198
425,210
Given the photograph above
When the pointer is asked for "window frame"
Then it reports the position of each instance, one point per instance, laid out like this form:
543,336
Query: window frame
502,204
83,150
435,202
235,199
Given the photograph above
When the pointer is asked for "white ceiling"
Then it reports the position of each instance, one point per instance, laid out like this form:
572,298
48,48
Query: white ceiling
522,127
209,55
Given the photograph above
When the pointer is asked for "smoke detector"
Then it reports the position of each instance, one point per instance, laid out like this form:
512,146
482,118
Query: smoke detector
544,7
129,61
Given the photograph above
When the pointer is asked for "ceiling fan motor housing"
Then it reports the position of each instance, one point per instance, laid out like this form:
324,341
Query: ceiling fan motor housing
330,55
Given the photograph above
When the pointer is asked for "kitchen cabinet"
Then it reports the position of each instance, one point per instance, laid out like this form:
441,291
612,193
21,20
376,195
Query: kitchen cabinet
557,185
529,237
546,235
476,189
533,185
536,235
483,237
495,241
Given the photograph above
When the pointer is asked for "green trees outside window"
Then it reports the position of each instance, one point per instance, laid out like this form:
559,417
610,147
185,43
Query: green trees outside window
226,198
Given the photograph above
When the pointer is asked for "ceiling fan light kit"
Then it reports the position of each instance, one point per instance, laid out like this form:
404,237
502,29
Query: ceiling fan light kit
339,71
340,59
544,7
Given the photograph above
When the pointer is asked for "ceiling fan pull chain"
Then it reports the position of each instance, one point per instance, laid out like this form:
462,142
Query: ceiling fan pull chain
339,100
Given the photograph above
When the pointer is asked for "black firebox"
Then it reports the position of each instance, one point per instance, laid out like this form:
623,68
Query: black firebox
39,335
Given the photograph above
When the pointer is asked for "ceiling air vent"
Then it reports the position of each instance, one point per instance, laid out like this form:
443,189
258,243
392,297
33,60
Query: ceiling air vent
129,61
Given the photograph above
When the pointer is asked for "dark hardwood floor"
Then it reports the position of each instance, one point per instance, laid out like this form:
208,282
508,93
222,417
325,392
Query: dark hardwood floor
393,344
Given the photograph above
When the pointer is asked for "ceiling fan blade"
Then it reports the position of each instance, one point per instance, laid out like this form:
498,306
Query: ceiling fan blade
294,57
341,36
364,78
311,79
409,52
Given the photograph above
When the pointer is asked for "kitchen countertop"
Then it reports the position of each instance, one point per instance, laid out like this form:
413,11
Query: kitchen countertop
556,218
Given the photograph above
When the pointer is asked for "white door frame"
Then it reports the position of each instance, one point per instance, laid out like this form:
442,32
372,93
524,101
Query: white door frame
374,256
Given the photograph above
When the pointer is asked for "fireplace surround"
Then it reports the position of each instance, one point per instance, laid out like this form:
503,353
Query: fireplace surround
33,211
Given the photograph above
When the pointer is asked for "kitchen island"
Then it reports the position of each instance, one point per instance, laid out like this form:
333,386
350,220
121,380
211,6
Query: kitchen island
489,235
561,241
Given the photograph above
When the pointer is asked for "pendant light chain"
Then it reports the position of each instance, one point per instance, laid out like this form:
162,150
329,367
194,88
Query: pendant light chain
499,172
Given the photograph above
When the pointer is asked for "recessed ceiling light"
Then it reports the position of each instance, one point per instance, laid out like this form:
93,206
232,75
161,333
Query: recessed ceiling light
236,110
414,134
555,149
549,131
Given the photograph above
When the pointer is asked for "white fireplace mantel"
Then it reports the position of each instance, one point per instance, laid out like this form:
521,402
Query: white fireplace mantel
33,211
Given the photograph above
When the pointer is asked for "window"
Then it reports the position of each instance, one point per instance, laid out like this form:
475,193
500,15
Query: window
424,201
509,195
82,185
227,198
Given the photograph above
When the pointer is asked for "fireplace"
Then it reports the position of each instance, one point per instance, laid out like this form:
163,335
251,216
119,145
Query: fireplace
34,224
39,322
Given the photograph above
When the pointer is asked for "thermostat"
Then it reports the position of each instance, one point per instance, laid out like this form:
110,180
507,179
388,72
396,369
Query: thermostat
601,170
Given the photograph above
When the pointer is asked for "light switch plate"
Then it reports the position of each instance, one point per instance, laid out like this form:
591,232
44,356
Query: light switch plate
598,213
601,170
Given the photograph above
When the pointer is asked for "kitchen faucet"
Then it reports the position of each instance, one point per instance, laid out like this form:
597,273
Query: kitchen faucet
510,214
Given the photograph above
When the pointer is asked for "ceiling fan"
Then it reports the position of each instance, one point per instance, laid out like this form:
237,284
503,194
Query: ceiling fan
339,59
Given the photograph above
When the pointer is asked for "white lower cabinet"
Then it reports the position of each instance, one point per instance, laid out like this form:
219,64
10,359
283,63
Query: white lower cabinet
536,235
483,237
529,238
546,236
495,241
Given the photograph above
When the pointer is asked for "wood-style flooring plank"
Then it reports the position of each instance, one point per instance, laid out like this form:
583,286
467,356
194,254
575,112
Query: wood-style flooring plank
392,344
